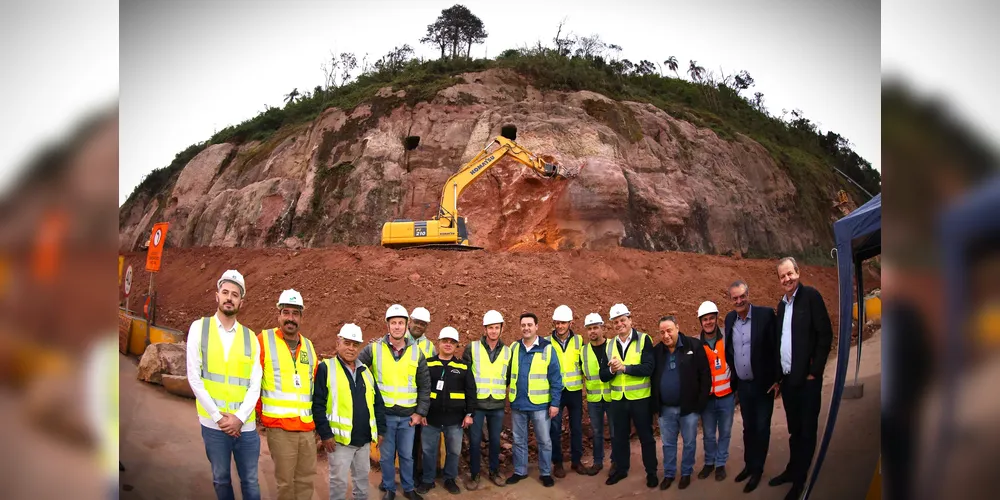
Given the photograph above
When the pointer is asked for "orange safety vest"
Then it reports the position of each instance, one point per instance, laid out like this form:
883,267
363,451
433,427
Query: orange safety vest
719,368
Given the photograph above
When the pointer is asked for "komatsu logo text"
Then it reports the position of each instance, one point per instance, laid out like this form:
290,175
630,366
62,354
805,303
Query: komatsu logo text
482,164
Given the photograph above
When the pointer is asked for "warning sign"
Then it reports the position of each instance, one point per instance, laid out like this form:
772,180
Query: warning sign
128,280
156,241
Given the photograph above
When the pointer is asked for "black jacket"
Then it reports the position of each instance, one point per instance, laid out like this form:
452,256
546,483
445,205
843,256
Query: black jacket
458,379
762,346
696,378
812,336
360,429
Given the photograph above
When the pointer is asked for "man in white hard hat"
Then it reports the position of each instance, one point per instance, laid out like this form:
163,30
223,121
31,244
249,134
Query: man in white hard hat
453,398
597,379
630,358
420,318
349,413
717,417
223,368
488,359
289,362
401,373
567,346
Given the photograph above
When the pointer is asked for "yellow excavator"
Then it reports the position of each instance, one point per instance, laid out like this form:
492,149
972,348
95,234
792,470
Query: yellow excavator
449,230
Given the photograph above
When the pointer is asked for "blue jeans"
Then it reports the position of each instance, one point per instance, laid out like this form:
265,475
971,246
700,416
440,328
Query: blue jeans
494,421
540,421
222,449
672,422
717,421
573,400
597,411
398,439
430,440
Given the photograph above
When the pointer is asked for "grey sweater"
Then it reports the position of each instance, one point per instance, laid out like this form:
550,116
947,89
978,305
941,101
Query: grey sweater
423,378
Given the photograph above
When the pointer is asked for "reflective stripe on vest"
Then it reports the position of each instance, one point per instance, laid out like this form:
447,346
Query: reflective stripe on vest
629,386
226,381
453,364
397,379
340,411
278,396
596,390
720,372
491,376
538,374
569,362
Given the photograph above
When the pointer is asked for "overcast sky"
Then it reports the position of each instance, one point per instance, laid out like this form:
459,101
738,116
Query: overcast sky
190,68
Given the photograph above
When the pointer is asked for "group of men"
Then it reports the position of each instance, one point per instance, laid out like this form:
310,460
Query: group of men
401,392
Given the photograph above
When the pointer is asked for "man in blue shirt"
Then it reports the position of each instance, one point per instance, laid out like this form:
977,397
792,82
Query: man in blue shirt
534,383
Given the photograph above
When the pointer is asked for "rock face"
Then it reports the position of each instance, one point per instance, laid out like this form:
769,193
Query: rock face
162,359
636,177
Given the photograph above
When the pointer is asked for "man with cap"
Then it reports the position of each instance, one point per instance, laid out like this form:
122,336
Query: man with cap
630,359
223,368
453,397
289,363
349,413
597,378
402,377
567,346
717,417
420,317
488,359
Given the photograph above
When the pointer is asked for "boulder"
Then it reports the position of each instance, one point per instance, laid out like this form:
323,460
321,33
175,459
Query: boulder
178,385
162,358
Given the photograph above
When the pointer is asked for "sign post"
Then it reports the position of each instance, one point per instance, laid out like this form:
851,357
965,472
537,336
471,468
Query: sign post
154,258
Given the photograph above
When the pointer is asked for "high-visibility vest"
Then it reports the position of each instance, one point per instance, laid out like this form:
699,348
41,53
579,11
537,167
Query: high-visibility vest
491,376
340,401
630,387
278,395
397,380
453,364
425,345
227,382
719,368
538,374
569,362
596,390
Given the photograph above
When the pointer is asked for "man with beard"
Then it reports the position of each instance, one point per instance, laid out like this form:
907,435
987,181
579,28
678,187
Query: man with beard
285,407
401,373
420,317
223,368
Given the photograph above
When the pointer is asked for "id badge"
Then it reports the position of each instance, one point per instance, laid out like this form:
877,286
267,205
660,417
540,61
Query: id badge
298,381
440,385
718,364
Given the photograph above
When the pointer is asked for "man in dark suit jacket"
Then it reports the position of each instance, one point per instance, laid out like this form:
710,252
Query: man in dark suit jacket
805,335
751,353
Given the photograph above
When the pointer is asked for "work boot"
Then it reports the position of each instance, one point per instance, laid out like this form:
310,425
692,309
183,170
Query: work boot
706,471
752,483
593,470
743,475
449,484
423,488
651,480
558,471
579,469
685,481
515,478
780,479
667,481
614,478
472,484
497,479
612,470
720,473
412,495
547,481
389,495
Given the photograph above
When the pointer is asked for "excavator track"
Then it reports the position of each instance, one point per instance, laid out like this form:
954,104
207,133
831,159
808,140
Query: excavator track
444,246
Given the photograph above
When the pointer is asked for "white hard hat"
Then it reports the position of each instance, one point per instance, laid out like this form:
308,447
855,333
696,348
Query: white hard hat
233,276
562,313
492,317
448,333
593,319
421,314
350,331
618,310
290,297
707,308
396,311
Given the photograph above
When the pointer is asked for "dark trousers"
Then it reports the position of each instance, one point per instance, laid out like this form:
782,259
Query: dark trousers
626,413
493,420
418,453
572,400
756,407
802,411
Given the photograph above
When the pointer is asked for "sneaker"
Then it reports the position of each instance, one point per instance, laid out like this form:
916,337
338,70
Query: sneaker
496,478
472,483
547,481
449,484
515,478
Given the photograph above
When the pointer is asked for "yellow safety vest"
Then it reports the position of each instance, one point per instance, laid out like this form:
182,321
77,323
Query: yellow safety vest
596,390
629,386
279,398
425,345
453,364
538,374
340,410
397,379
226,382
569,362
491,376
